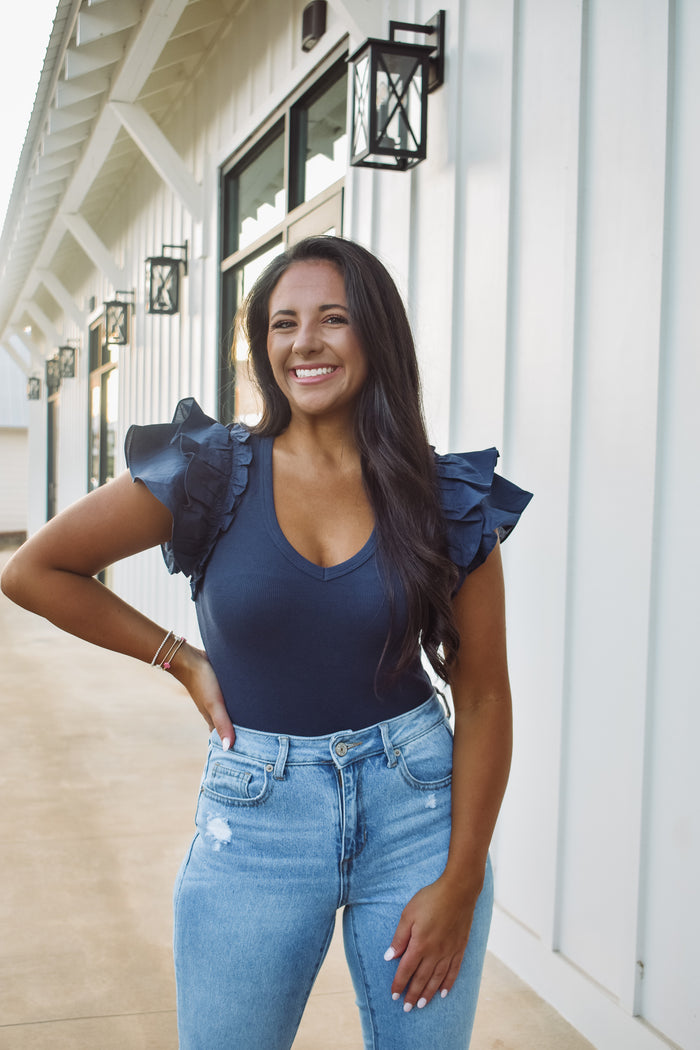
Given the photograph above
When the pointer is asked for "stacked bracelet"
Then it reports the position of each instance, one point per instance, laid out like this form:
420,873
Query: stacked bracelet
165,653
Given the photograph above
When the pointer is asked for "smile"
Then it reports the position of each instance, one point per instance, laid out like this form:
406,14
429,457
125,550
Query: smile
310,373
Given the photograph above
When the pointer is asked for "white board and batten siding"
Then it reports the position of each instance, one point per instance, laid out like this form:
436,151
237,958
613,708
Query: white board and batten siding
14,447
547,249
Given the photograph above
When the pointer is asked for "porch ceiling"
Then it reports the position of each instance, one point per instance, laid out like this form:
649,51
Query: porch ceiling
77,155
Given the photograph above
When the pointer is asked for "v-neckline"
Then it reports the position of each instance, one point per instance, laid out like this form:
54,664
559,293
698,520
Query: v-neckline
312,568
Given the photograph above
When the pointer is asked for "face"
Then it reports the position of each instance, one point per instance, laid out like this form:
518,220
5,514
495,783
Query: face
316,357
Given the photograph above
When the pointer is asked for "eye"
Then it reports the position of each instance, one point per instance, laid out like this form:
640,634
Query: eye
281,324
336,319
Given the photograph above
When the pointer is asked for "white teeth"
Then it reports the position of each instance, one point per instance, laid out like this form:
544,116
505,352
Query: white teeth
305,373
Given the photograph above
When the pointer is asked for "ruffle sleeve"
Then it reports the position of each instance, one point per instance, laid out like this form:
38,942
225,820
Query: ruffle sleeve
479,506
198,469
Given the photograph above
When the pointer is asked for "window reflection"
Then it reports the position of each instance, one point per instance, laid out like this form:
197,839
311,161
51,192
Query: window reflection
325,157
247,407
255,196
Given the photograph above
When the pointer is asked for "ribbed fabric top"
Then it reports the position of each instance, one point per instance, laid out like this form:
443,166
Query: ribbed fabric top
296,646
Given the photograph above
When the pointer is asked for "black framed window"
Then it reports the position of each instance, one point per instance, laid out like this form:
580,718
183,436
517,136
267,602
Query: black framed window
286,184
103,407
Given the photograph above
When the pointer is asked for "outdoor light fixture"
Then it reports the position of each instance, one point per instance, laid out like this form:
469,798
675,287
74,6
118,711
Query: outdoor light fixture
391,81
66,361
117,318
163,278
34,388
313,24
53,375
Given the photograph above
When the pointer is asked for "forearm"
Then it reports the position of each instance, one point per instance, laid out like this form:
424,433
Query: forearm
481,764
84,607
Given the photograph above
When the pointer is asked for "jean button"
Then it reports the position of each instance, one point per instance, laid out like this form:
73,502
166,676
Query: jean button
341,749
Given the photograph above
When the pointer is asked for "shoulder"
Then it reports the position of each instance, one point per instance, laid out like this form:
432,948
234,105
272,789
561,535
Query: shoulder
198,468
479,505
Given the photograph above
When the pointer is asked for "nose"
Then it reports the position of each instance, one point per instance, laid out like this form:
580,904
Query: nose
307,341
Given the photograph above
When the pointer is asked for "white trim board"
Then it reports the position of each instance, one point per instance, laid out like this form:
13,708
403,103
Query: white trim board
580,1001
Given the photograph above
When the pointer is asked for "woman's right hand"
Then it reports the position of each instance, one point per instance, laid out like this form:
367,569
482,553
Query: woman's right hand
192,669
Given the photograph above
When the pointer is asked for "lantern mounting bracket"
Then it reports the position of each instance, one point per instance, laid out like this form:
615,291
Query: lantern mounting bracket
434,25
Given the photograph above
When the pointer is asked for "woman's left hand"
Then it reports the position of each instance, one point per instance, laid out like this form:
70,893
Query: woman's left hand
431,938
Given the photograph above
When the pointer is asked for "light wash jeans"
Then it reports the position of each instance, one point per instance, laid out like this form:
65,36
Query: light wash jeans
289,829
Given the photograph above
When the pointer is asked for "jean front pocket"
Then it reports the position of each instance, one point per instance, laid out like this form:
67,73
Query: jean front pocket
425,761
235,780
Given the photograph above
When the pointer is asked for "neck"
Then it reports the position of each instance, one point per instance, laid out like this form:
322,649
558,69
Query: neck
319,439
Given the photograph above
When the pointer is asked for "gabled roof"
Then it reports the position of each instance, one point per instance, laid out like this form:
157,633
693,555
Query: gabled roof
77,153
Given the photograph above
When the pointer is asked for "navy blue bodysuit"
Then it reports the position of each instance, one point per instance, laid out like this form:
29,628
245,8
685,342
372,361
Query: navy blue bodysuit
295,646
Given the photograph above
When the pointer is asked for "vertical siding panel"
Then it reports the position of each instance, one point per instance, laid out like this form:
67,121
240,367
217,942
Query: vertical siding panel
536,447
435,205
479,357
670,947
613,461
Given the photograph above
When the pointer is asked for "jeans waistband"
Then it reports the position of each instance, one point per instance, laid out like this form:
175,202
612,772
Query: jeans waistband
340,748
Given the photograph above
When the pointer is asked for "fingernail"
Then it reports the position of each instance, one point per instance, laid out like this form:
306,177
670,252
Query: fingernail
443,993
421,1003
389,954
396,995
407,1007
226,743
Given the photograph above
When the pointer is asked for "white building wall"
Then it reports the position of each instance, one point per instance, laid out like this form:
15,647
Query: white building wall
14,459
546,249
14,472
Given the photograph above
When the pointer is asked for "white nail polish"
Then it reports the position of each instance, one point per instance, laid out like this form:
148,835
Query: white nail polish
407,1007
389,954
421,1003
443,993
396,996
226,743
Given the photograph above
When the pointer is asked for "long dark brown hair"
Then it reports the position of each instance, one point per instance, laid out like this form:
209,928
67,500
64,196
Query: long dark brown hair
397,461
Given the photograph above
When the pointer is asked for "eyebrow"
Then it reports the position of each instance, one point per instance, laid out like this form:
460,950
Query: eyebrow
324,306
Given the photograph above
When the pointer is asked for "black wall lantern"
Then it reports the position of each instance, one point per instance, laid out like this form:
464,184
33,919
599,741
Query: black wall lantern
390,86
117,318
53,375
66,361
163,278
34,388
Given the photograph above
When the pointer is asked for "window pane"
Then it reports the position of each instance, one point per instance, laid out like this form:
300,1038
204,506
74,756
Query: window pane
254,197
110,409
238,397
323,141
94,466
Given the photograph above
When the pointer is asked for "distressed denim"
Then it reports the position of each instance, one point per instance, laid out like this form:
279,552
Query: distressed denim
289,829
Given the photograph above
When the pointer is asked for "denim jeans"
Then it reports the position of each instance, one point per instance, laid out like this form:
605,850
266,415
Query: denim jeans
289,829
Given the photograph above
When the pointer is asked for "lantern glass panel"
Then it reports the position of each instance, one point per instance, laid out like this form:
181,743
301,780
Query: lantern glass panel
66,362
164,286
116,317
399,102
53,375
361,114
34,388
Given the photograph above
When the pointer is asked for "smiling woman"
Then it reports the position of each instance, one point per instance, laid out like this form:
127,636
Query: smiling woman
328,549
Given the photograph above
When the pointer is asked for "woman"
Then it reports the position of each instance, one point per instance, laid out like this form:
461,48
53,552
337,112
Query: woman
326,547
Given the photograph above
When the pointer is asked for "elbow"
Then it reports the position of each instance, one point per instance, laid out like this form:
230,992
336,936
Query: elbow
9,580
13,580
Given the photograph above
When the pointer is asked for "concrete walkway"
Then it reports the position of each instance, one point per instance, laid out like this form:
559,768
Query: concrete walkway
99,769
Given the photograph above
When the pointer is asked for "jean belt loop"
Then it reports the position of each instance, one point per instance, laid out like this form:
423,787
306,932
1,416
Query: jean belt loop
388,746
281,762
443,703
